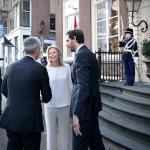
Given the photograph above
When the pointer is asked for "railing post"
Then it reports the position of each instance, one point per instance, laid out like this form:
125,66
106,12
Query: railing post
109,66
99,62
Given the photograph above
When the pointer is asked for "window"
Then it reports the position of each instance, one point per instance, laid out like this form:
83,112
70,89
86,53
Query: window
107,25
9,55
16,48
71,21
5,27
25,36
1,30
52,22
45,46
15,2
11,24
16,15
25,17
26,5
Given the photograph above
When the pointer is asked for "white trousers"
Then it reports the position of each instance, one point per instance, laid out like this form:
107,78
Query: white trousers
58,128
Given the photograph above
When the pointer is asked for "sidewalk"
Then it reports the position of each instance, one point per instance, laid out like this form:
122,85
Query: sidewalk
3,137
3,140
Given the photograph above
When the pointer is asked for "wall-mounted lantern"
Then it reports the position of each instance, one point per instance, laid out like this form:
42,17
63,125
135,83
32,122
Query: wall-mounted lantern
133,6
3,14
42,26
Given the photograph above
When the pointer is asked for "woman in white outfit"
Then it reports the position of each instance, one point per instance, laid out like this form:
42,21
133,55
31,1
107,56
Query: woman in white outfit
57,110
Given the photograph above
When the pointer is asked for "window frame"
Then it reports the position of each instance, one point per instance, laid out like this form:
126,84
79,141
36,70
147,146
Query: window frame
72,13
94,6
25,15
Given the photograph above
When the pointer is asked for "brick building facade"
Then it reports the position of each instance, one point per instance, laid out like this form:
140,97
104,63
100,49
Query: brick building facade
101,32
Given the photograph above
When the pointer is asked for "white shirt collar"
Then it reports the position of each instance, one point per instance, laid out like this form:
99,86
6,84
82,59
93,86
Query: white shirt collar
79,48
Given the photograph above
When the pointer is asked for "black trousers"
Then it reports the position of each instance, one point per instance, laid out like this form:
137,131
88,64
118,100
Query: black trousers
0,104
23,141
0,99
91,137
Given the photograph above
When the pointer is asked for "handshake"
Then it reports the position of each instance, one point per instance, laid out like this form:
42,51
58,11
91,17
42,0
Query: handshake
136,60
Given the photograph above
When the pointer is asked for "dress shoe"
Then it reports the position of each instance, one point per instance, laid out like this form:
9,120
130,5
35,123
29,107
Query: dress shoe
0,112
127,84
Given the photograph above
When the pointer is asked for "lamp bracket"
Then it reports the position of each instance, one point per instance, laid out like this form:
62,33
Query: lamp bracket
144,29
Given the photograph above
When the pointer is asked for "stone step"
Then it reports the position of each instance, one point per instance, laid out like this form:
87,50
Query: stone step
121,137
143,104
110,88
125,119
129,98
110,145
127,109
125,122
139,90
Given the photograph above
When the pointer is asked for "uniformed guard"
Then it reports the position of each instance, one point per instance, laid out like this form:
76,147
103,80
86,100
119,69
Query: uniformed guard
130,55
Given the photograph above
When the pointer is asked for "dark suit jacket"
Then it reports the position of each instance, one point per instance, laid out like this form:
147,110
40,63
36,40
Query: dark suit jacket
21,85
0,91
86,100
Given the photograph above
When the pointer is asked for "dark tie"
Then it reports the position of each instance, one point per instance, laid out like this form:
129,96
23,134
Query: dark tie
73,70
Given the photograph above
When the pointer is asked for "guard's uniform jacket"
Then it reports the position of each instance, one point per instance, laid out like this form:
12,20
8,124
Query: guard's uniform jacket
130,48
129,56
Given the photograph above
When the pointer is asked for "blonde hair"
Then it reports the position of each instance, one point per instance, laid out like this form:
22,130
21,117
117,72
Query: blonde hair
59,55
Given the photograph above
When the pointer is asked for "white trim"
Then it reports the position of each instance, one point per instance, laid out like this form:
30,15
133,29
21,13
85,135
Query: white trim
65,57
94,21
93,28
30,14
18,32
64,39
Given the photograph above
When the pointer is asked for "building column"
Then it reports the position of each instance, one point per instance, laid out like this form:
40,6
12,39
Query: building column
20,46
59,23
2,58
85,20
13,51
5,57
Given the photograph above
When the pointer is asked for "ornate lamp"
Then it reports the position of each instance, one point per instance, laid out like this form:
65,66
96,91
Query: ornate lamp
133,6
42,26
3,14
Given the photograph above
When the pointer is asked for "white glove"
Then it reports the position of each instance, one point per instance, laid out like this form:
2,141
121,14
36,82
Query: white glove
121,38
136,60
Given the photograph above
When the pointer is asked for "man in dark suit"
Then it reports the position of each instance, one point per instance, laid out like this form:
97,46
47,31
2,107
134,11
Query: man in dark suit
22,84
0,93
85,101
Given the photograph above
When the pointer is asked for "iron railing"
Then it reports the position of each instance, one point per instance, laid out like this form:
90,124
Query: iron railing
111,66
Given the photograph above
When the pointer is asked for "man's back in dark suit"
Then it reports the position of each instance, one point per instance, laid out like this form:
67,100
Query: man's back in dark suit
0,93
22,84
86,101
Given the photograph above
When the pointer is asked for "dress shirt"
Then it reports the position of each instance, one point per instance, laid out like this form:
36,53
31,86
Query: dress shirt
61,85
79,48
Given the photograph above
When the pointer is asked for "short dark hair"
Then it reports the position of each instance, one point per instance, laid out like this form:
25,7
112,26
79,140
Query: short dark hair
76,33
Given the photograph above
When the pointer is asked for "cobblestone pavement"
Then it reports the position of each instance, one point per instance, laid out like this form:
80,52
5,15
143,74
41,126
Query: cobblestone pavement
3,140
3,137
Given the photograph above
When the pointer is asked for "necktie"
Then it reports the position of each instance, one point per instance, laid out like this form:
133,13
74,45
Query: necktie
73,69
